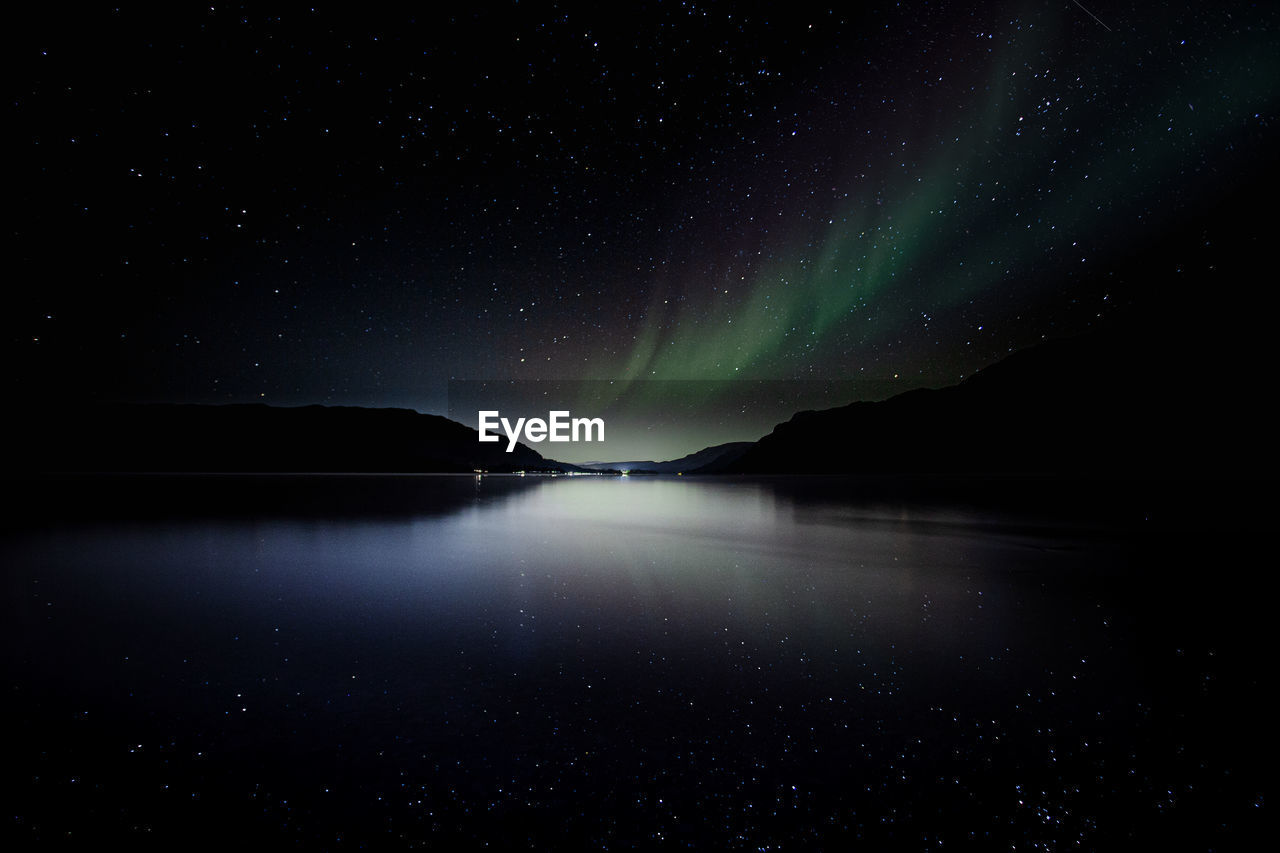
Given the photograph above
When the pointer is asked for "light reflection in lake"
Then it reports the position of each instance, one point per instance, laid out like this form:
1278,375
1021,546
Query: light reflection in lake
489,659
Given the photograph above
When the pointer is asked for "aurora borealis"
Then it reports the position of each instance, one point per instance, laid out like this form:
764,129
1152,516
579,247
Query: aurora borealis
217,205
948,320
931,224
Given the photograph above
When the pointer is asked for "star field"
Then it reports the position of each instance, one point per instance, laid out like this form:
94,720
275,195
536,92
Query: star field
218,205
897,626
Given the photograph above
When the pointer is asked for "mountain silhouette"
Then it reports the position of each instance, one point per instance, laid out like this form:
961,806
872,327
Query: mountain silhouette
256,438
1095,405
704,461
1098,405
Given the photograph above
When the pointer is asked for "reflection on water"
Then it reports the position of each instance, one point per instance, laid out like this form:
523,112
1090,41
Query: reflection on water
614,662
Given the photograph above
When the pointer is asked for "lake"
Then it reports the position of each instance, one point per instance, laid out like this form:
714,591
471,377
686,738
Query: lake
337,662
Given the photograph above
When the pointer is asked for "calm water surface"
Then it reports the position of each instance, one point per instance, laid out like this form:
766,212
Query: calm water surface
593,663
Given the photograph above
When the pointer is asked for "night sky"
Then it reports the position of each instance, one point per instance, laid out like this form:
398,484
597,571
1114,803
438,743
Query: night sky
213,204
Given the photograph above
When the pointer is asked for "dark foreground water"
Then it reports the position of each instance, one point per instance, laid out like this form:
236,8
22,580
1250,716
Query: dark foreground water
446,662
